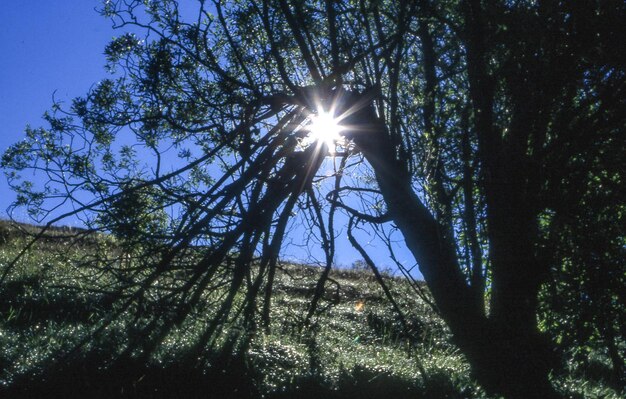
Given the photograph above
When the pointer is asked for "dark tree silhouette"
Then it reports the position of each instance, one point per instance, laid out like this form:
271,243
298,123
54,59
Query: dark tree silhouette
466,126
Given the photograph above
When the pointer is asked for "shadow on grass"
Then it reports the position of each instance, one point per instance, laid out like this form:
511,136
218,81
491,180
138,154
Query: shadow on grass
85,378
361,383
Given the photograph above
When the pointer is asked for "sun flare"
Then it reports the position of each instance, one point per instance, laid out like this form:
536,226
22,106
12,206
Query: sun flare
325,128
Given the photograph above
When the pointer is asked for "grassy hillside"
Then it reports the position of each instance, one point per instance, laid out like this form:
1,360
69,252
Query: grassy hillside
355,347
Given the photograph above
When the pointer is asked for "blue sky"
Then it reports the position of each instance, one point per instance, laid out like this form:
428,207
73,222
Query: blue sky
47,47
57,47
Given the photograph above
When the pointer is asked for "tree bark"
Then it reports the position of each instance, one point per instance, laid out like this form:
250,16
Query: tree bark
507,354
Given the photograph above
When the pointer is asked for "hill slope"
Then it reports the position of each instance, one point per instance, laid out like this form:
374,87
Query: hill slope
356,345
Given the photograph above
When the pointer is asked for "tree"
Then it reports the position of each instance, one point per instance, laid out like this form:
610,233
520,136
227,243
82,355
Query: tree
457,118
583,304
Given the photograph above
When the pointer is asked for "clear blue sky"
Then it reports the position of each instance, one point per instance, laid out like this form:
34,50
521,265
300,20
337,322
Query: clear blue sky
45,46
56,46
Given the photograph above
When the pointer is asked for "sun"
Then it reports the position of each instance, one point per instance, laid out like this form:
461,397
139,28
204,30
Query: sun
325,128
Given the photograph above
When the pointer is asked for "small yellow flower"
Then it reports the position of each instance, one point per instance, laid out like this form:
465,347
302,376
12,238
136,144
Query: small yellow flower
359,306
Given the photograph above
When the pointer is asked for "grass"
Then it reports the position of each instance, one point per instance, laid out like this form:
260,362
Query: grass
355,348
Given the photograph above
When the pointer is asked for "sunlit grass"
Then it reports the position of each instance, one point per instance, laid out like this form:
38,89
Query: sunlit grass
355,347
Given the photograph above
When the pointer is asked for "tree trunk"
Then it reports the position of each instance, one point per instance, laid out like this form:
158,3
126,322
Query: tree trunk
507,354
510,363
